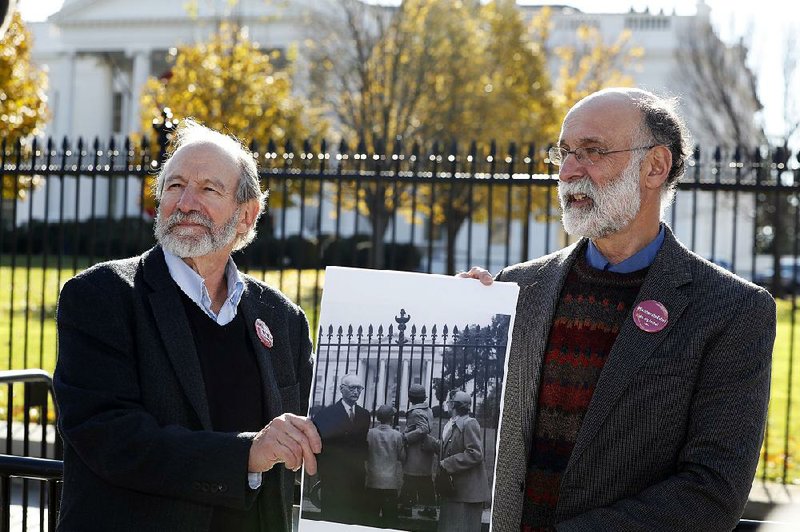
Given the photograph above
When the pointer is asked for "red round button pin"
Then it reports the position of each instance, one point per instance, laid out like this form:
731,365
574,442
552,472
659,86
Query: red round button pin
650,316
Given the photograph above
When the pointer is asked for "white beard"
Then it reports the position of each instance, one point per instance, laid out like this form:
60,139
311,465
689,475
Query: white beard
613,207
189,244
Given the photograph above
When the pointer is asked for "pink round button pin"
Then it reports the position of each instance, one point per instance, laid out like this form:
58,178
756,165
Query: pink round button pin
264,334
650,316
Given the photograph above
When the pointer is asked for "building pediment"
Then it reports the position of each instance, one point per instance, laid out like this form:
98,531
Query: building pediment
125,12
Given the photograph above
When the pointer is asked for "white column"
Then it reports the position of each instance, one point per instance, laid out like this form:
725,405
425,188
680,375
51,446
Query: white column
66,100
141,71
404,384
382,369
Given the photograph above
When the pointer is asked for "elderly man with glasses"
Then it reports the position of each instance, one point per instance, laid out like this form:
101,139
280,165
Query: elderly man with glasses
638,377
343,428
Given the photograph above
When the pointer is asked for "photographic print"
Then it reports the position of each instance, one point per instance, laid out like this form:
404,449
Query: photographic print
407,397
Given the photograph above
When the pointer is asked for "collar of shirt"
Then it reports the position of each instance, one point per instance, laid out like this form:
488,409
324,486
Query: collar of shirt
349,408
194,286
638,261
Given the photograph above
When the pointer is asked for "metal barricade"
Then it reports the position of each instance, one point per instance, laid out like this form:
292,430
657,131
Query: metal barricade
31,466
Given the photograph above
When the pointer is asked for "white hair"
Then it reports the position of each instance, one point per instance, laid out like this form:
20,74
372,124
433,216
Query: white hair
192,132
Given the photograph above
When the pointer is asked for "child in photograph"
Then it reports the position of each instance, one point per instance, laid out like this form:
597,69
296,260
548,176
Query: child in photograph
384,468
418,466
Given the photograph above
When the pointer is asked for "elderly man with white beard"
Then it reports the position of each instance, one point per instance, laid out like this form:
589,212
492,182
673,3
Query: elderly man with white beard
181,382
638,377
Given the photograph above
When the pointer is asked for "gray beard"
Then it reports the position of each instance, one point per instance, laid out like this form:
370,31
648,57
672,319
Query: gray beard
615,205
192,245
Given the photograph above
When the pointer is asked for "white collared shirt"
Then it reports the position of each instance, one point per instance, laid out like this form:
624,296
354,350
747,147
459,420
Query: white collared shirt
194,287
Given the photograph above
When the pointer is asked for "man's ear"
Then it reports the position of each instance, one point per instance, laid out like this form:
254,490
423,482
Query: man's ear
248,216
657,165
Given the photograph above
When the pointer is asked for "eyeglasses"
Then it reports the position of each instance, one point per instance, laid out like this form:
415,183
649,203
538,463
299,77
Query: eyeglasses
354,387
587,156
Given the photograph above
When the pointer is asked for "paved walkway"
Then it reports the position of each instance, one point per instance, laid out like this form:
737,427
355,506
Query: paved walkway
768,502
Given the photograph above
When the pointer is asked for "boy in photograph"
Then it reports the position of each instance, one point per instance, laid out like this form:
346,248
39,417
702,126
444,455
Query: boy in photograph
417,479
385,456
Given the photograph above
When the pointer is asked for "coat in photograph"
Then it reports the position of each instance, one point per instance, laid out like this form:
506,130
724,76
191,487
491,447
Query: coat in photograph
462,457
419,454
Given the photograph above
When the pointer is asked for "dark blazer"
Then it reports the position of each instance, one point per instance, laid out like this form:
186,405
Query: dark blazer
139,452
672,435
341,464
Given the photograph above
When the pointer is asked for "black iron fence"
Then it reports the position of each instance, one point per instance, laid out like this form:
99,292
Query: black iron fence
439,208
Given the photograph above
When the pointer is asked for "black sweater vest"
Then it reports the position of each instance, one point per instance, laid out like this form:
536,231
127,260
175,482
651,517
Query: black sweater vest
230,371
233,389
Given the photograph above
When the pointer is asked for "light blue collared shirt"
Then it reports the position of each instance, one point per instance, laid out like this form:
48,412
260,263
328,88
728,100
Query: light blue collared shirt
194,287
638,261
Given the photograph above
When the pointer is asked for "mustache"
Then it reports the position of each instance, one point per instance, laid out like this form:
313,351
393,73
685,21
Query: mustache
192,217
583,186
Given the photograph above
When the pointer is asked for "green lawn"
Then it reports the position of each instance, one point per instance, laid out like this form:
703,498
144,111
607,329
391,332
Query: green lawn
33,345
784,415
33,342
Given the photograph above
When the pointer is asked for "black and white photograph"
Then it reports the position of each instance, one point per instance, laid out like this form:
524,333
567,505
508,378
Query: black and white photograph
407,399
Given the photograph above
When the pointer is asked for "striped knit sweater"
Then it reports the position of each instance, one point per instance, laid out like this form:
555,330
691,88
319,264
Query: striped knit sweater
592,307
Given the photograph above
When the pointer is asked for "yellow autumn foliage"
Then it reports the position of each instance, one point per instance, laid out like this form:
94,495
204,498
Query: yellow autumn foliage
230,84
23,98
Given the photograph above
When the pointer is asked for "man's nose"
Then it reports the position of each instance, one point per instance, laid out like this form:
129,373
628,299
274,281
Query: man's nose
188,200
571,168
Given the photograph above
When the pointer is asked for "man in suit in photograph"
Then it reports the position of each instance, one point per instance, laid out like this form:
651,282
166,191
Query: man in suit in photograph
343,428
638,375
180,381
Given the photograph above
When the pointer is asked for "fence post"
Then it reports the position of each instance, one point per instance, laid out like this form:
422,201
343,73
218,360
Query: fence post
164,129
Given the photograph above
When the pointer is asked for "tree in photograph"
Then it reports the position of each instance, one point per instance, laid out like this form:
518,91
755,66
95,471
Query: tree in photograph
474,363
23,98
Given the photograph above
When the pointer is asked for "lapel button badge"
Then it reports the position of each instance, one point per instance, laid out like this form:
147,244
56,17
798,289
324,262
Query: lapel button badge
263,333
650,316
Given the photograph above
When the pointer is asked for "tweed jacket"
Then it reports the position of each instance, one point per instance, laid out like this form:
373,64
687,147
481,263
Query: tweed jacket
139,449
672,434
419,455
462,456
